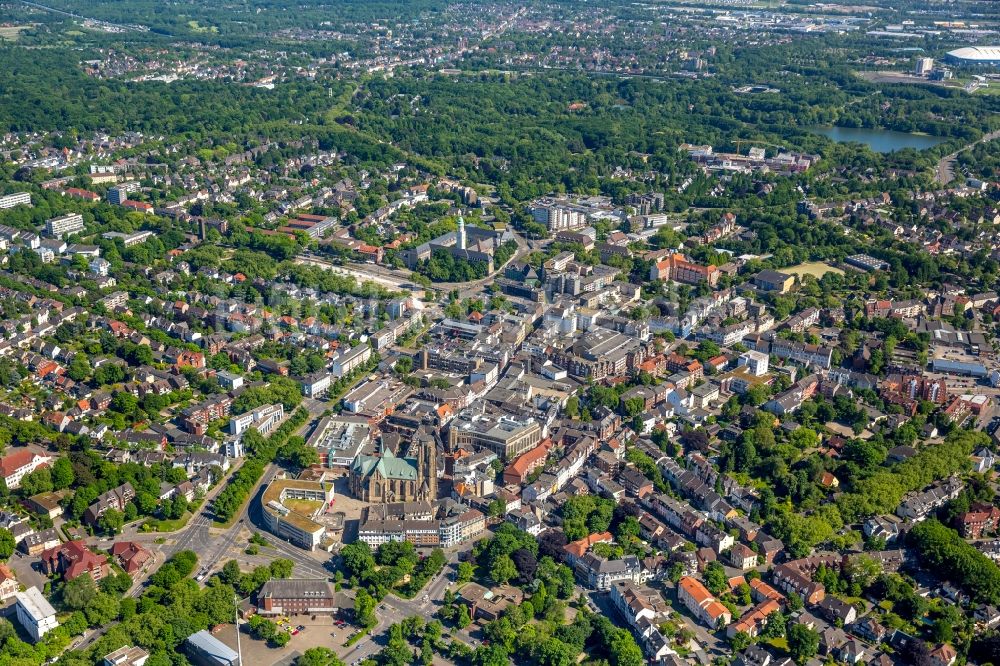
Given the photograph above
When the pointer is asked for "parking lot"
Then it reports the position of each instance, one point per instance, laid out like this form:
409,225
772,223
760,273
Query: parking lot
320,632
27,569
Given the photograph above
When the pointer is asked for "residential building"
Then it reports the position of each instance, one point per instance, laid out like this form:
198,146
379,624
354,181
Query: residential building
116,498
8,583
73,559
16,465
263,419
34,543
797,576
918,505
600,573
64,225
35,613
316,385
131,557
517,472
348,360
119,193
678,268
489,604
16,199
697,599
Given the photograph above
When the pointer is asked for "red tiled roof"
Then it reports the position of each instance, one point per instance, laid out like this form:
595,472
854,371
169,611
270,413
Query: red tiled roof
528,458
15,461
698,592
579,548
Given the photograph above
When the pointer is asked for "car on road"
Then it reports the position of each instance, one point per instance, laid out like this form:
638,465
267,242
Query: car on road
301,627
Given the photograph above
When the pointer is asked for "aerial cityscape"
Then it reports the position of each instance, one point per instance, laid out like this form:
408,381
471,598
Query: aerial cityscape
499,333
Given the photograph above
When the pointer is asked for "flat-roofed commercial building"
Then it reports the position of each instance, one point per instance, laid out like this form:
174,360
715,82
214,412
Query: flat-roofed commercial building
298,528
204,649
504,435
340,439
126,656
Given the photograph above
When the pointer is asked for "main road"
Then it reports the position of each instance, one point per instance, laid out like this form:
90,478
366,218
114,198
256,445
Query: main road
944,172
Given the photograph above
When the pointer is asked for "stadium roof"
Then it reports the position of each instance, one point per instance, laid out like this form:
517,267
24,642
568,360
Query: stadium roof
977,53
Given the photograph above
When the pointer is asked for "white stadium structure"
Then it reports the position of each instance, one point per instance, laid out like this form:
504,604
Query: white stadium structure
975,55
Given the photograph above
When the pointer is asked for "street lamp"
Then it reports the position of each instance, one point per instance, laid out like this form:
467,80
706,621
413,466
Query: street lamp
239,649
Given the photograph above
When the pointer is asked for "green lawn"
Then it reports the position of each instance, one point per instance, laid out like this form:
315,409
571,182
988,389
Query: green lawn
165,525
304,507
779,643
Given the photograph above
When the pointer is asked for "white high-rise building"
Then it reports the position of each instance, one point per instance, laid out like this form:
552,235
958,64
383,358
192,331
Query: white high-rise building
16,199
57,227
461,233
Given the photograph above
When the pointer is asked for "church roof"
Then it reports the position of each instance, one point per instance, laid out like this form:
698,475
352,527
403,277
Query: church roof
388,466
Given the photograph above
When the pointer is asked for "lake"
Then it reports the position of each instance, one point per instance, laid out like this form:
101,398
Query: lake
879,140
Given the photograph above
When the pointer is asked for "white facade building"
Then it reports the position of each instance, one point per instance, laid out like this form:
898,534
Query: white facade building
35,613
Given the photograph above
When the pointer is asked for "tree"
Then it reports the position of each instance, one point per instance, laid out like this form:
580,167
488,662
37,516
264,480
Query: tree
465,572
281,568
364,608
79,592
231,573
62,474
740,641
7,544
526,565
116,586
803,643
715,578
553,652
111,521
503,570
496,508
102,609
79,368
318,656
261,628
39,481
625,652
862,569
357,557
462,618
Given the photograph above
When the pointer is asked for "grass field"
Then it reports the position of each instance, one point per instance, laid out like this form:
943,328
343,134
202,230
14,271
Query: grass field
11,33
304,507
815,268
196,27
165,525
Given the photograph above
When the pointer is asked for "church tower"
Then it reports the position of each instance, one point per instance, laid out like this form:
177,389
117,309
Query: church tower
461,233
